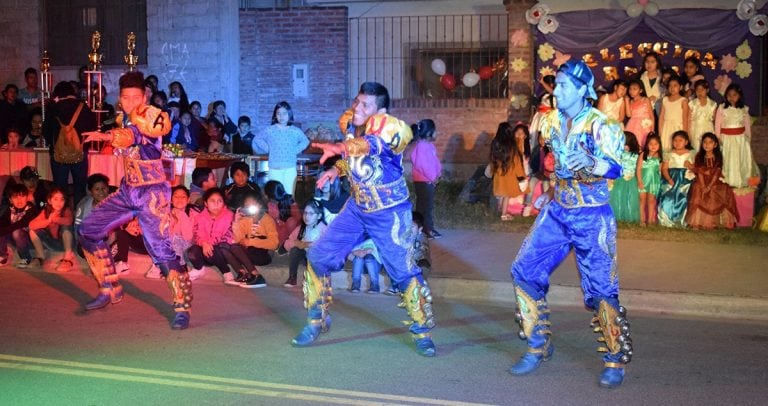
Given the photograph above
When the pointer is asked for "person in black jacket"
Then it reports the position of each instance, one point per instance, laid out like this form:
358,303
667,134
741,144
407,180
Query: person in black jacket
14,226
63,111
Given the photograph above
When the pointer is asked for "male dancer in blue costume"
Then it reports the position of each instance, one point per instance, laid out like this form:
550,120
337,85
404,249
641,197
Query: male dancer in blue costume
144,193
379,207
587,146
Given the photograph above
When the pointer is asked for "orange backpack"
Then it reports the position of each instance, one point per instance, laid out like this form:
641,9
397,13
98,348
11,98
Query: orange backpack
68,148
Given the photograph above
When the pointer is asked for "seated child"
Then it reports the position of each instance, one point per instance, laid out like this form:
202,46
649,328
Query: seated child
203,179
53,228
14,226
255,236
98,187
365,255
212,237
302,237
129,238
240,187
182,225
283,210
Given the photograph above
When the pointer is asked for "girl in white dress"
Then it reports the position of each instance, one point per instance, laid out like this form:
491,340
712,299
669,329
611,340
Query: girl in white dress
612,104
674,113
702,113
651,78
732,126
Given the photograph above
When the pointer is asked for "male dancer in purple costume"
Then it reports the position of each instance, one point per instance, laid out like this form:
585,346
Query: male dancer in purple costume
587,146
378,207
144,193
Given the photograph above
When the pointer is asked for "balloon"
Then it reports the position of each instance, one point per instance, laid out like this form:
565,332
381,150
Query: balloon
652,9
438,66
470,79
634,10
643,2
485,72
448,82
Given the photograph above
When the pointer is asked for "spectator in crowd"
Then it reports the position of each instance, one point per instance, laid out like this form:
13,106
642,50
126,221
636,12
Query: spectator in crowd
640,112
301,238
14,226
152,83
509,150
182,226
242,140
177,93
13,113
702,115
198,126
426,172
283,210
212,237
673,195
62,113
34,137
675,114
183,134
53,228
30,94
220,119
365,256
203,179
241,186
613,104
333,195
283,142
712,202
733,127
38,188
98,189
649,178
13,135
129,237
625,198
255,236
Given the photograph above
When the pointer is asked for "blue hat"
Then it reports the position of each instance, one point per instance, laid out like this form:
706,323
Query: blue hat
581,75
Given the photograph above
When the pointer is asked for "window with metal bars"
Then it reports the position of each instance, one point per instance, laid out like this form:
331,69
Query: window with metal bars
399,52
70,23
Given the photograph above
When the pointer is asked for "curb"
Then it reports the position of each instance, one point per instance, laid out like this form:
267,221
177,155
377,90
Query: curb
673,303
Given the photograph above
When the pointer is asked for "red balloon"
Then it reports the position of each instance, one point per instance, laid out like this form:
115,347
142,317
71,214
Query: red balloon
448,81
485,72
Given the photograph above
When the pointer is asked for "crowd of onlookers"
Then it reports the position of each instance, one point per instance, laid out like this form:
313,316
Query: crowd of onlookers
684,155
234,226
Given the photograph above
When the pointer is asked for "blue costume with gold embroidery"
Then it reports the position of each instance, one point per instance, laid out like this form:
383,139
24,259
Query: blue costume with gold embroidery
378,208
144,193
579,217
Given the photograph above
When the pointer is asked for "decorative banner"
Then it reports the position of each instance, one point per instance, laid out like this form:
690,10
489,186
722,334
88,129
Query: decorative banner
720,67
728,63
545,51
519,38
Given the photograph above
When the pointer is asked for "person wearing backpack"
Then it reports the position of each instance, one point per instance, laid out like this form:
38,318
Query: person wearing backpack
69,118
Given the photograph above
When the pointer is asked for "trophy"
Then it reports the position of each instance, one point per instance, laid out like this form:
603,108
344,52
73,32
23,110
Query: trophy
131,60
45,88
94,58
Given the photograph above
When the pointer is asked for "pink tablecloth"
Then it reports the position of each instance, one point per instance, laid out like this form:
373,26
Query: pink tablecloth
11,162
112,166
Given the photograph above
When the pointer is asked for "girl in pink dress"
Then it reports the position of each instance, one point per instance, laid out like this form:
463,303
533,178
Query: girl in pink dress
639,111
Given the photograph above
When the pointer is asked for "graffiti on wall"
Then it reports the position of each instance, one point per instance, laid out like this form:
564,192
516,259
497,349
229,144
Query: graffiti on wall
175,56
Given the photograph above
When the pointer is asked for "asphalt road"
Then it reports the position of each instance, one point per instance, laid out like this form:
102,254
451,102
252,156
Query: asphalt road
238,352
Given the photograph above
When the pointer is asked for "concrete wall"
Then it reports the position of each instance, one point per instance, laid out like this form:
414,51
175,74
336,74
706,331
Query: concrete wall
20,39
197,43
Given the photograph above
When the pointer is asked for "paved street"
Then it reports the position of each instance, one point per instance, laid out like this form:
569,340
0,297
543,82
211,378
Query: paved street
238,352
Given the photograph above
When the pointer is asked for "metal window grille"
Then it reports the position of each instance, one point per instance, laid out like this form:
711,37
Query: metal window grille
398,53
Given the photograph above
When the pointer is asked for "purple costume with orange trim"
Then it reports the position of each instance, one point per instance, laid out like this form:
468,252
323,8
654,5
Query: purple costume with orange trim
146,194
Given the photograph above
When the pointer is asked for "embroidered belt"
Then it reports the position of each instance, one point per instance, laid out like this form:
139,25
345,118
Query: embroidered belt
590,192
141,173
732,131
372,198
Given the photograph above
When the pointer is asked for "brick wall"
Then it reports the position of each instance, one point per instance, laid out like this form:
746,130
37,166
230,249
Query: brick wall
465,128
272,40
19,40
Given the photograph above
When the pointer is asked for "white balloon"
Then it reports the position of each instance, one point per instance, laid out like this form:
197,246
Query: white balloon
652,9
634,10
438,66
470,79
